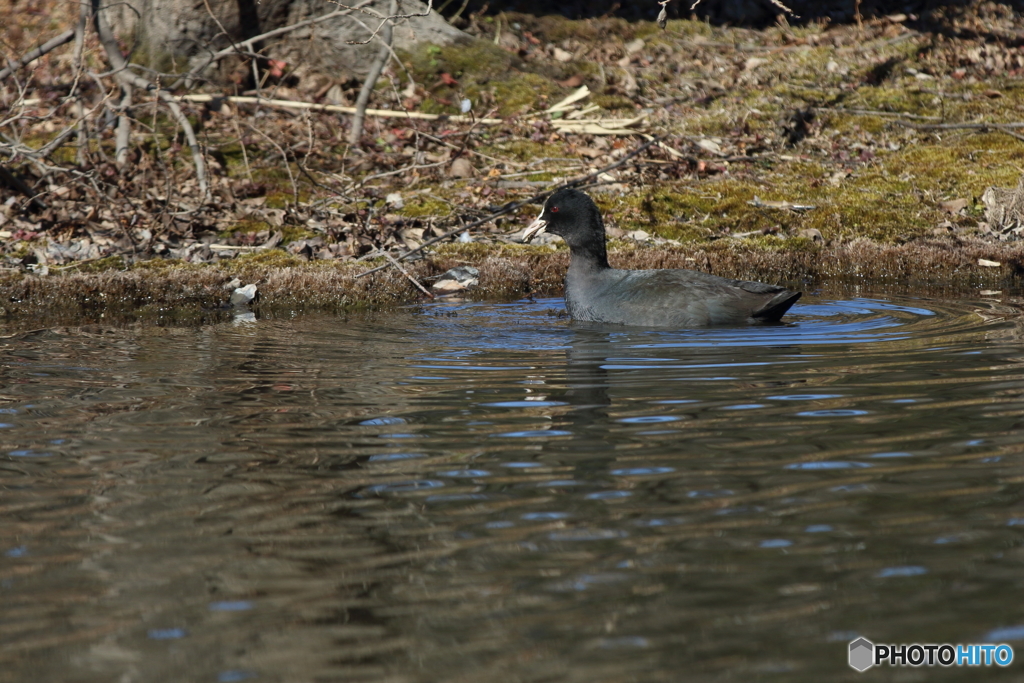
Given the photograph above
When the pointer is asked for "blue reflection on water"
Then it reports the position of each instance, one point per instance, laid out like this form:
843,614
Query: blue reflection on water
166,633
529,325
1003,634
827,465
386,420
890,572
230,606
641,471
533,433
833,413
404,486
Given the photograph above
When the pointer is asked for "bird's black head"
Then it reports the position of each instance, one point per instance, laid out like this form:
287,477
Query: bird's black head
574,217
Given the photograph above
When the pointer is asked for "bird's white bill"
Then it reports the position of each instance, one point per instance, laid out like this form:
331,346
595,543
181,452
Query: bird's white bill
534,229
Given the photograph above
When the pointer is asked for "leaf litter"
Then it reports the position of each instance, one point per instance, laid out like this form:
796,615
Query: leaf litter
782,141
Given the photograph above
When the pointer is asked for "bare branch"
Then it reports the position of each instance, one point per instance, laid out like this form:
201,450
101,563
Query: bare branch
397,171
284,157
245,154
248,43
406,273
394,55
124,127
83,22
35,54
1006,128
389,19
125,76
83,133
356,133
52,146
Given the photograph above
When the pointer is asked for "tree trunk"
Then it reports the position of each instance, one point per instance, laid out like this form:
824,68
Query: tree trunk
179,35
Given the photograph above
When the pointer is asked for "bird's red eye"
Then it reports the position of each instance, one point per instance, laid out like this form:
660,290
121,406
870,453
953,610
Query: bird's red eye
554,209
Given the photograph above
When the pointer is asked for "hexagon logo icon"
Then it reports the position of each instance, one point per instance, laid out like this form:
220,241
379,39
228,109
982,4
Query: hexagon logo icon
862,654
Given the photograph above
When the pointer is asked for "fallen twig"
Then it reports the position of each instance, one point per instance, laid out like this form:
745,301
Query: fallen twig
512,206
566,104
769,204
404,169
597,126
951,126
295,104
876,112
464,149
1006,128
406,273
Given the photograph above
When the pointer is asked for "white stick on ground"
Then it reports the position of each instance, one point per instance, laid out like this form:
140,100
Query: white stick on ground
312,106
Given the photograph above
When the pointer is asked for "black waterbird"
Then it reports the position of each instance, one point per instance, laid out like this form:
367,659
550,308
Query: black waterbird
594,291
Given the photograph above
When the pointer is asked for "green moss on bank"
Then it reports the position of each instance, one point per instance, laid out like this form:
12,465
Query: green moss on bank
175,293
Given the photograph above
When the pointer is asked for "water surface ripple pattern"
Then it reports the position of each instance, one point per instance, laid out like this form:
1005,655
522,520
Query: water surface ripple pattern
466,492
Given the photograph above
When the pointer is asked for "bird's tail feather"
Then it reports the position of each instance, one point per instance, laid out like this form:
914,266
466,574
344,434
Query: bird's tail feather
776,307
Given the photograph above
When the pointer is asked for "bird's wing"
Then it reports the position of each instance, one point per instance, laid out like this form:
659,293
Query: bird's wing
695,294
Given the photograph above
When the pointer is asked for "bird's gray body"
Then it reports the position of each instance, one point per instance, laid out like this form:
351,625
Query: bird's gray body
669,298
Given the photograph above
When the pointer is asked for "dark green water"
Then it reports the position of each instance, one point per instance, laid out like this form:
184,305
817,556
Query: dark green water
503,496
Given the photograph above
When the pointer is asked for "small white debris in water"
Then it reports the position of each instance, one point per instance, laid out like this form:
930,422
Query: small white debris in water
243,295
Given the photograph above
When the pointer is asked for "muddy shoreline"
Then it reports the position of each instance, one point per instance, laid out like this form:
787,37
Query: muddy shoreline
171,293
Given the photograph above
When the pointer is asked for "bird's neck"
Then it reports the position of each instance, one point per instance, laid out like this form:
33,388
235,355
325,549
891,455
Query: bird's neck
589,256
590,253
